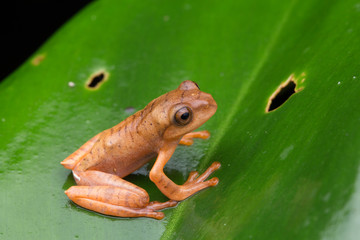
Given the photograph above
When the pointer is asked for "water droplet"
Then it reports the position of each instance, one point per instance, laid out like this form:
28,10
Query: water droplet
130,110
354,77
166,18
339,83
187,6
3,119
357,7
71,84
326,198
307,222
306,50
286,152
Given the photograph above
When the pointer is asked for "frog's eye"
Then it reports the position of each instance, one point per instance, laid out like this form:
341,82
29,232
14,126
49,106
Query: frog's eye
183,116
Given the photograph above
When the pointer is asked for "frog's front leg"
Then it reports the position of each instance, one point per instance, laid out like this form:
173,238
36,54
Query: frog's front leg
187,139
109,194
191,186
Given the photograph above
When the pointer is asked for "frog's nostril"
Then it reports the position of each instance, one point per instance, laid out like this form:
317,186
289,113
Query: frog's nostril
96,79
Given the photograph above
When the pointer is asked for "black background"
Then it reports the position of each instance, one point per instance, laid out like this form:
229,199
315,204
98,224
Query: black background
25,26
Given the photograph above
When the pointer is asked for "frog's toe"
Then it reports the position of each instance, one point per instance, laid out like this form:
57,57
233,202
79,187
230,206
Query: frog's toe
213,182
214,166
192,176
159,206
157,215
173,203
186,141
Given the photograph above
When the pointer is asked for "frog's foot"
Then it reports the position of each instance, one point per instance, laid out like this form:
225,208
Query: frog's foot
196,183
116,201
156,206
187,139
194,177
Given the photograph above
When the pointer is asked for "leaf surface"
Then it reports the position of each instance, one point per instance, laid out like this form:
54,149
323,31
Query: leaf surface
292,173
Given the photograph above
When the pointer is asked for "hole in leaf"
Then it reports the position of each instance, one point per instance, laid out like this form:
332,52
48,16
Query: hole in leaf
282,93
96,79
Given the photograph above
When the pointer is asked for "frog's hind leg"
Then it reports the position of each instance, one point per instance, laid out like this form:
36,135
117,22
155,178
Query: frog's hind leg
111,195
187,139
112,201
71,161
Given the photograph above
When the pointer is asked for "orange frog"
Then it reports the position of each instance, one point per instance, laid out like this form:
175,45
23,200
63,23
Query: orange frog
100,164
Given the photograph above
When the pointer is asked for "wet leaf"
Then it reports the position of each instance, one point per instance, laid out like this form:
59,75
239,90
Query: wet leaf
292,173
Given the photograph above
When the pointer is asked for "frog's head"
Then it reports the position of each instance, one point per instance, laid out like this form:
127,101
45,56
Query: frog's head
189,109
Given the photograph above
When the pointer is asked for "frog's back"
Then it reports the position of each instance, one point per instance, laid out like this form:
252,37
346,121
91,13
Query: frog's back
121,149
125,147
130,144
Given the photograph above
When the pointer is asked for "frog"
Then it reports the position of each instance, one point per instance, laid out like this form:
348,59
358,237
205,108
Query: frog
100,165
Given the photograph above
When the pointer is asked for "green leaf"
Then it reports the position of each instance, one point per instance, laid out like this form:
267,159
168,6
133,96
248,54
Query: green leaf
292,173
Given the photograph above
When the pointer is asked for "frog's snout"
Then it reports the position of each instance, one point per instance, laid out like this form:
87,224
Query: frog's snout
210,101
